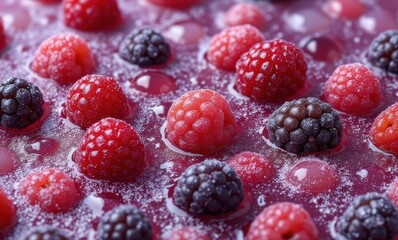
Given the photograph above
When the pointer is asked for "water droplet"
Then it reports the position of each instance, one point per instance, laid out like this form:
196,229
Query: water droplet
153,83
323,48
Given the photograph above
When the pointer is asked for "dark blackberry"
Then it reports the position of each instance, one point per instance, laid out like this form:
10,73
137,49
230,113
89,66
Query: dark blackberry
369,216
45,233
125,222
210,187
145,48
305,125
383,52
21,103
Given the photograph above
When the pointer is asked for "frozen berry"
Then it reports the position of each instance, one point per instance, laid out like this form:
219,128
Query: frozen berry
21,103
271,71
384,130
45,233
174,3
200,121
252,167
64,58
392,192
344,9
305,125
244,13
210,187
3,37
383,52
226,47
353,89
145,48
283,220
51,189
369,216
8,214
111,150
93,98
91,15
125,222
187,233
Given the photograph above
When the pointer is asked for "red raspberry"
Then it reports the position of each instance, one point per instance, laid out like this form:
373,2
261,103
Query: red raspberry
64,58
384,130
51,189
353,89
283,220
392,192
187,233
174,3
111,150
91,15
93,98
3,37
252,167
271,71
200,121
226,47
8,214
244,13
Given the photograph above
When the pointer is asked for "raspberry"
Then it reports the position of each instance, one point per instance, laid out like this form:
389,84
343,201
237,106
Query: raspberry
125,222
383,132
305,125
111,150
252,167
7,212
3,37
64,58
200,121
353,89
271,71
174,3
145,48
369,216
91,15
51,189
392,192
226,47
283,220
93,98
383,52
187,233
21,103
210,187
244,13
46,233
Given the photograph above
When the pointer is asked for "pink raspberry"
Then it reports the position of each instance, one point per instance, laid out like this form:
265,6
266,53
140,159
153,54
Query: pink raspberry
51,189
8,214
64,58
226,47
244,13
353,89
283,220
187,233
200,121
392,192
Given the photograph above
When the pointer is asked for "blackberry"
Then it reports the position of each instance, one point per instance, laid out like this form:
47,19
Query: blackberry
21,103
46,233
210,187
145,48
383,52
369,216
305,125
125,222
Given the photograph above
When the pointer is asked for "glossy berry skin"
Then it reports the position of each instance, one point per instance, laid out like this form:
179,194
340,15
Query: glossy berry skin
244,13
369,216
94,97
91,15
200,121
7,212
51,189
187,233
179,4
305,125
145,48
21,103
111,150
384,130
210,187
353,89
64,58
3,37
271,71
125,222
226,47
383,52
283,220
45,233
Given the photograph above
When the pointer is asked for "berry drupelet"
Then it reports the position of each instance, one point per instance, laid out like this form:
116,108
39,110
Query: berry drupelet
305,125
45,233
383,52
